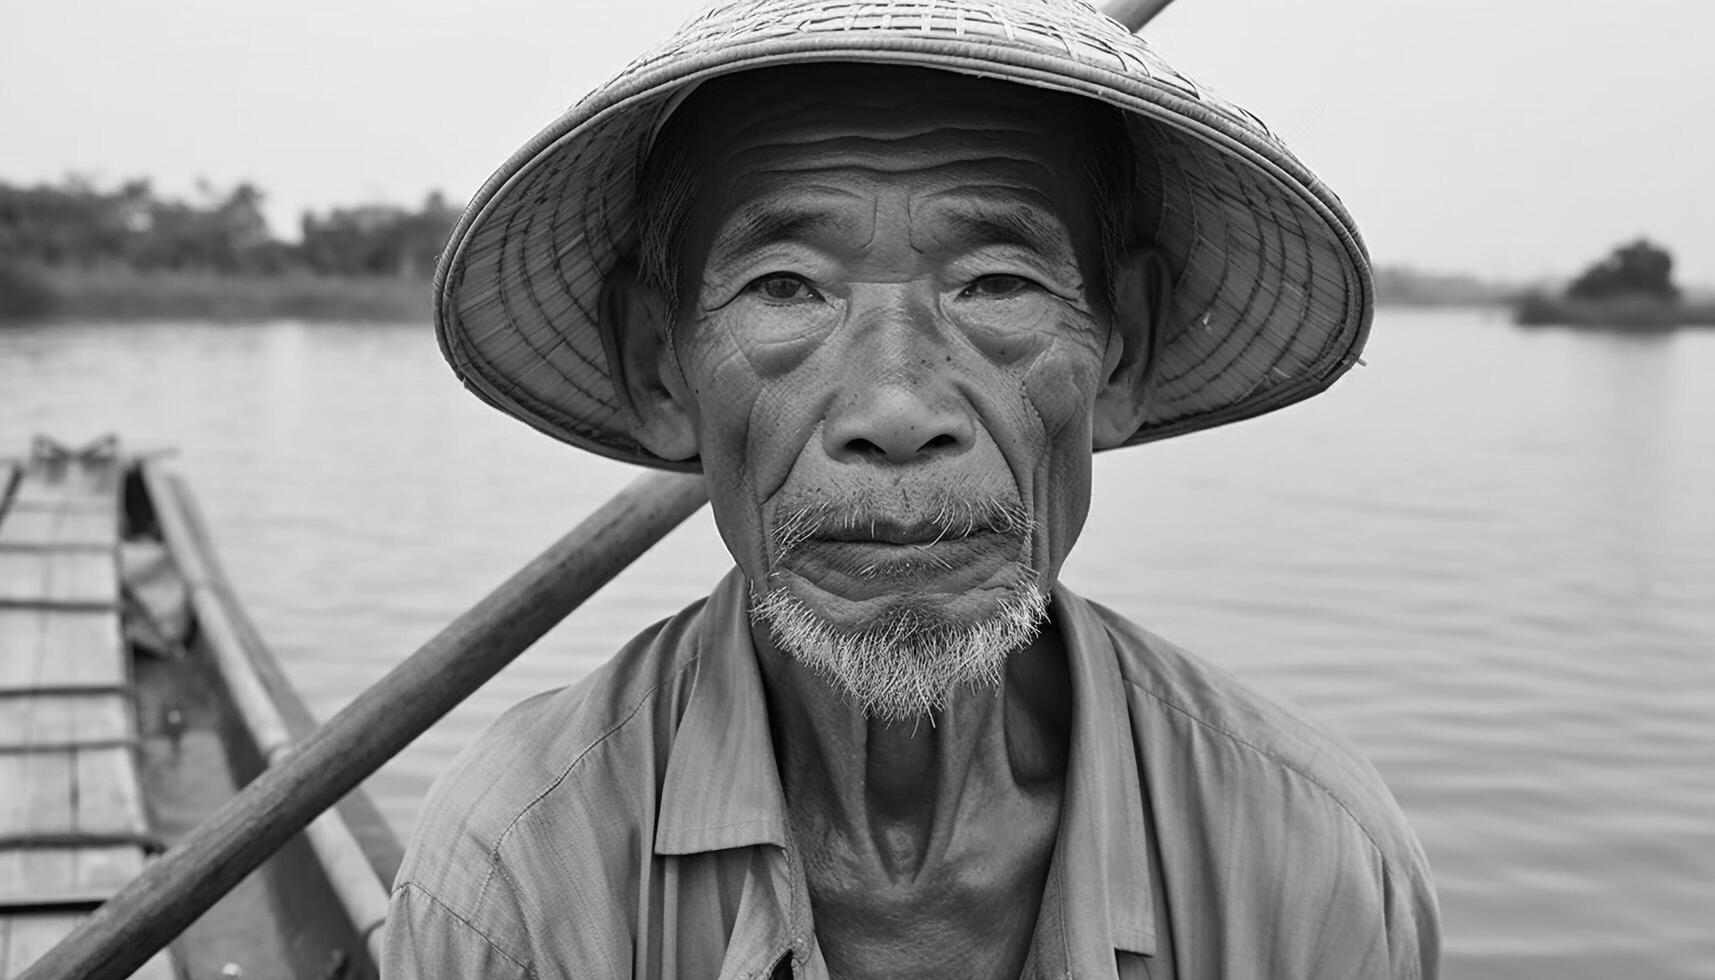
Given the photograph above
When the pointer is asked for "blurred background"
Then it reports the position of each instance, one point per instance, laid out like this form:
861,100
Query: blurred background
1487,556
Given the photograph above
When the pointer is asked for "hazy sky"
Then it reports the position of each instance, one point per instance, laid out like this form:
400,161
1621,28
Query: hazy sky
1515,138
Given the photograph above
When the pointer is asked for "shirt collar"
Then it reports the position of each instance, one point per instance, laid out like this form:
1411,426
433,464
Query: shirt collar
1106,900
722,789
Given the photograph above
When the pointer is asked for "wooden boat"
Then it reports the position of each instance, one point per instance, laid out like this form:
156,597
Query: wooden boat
216,719
136,697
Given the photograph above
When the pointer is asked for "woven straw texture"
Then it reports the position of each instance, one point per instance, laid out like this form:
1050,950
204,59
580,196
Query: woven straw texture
1272,298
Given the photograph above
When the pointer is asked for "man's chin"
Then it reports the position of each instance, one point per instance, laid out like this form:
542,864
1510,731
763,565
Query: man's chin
958,573
953,598
899,655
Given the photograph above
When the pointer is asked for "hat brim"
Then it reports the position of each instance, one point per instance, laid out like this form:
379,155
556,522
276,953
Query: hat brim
1272,296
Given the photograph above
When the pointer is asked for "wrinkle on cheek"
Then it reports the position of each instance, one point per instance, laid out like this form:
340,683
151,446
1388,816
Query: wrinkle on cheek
770,347
717,353
1060,383
1059,389
1037,480
1054,370
724,389
1011,426
752,428
782,426
1012,338
1061,379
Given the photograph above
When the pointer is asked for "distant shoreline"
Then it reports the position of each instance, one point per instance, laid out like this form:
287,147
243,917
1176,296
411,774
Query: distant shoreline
117,293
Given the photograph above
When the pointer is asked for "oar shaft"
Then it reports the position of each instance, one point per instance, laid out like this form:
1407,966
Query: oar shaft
173,891
1134,13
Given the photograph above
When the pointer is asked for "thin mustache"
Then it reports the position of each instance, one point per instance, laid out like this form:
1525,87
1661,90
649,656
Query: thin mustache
948,517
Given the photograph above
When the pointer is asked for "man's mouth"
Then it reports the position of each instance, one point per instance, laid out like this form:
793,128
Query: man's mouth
889,555
910,559
886,531
904,554
945,519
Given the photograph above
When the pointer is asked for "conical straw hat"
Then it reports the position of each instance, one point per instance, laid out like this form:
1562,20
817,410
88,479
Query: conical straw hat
1272,292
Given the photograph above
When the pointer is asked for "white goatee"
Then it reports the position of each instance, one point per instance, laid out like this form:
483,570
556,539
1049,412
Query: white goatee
907,664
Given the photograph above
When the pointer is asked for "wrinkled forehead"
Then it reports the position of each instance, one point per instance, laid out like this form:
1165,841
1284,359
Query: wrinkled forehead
836,128
825,101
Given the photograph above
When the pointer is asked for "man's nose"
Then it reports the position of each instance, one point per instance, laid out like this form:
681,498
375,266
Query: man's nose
897,400
896,422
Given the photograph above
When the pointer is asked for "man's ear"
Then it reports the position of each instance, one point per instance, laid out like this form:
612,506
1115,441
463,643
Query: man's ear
634,323
1142,296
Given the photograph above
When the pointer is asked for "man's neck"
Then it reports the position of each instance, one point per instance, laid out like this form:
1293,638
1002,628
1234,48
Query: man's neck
918,770
904,820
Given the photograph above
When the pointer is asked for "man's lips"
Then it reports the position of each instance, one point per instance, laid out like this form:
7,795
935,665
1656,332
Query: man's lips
891,532
905,556
941,544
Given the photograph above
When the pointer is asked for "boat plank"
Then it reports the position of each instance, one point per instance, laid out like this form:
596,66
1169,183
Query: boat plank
83,577
105,870
66,874
82,648
103,718
18,721
11,884
20,648
59,648
47,872
63,525
160,967
13,769
32,934
44,804
64,718
109,799
77,486
58,549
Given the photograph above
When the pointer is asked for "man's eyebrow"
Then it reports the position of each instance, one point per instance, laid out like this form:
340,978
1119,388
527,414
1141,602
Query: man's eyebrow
1020,226
756,225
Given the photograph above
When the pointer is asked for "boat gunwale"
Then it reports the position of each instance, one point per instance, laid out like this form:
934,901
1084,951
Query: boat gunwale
268,708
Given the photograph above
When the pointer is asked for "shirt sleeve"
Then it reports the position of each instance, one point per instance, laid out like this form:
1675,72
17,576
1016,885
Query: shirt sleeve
426,939
1360,912
1413,925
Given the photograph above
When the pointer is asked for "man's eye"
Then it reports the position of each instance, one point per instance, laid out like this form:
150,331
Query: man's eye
997,287
783,287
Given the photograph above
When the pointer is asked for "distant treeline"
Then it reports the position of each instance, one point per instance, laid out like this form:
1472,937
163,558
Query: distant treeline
1402,286
83,249
61,243
1640,268
76,222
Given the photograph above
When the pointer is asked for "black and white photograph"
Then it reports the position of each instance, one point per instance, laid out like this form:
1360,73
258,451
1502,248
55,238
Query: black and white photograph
846,490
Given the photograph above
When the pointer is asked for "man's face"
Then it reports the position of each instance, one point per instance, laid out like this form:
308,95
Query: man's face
888,342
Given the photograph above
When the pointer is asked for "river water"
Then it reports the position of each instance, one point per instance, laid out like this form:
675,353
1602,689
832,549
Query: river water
1488,557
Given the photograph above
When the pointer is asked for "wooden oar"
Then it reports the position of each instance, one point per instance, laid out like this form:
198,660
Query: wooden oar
172,892
1135,13
168,896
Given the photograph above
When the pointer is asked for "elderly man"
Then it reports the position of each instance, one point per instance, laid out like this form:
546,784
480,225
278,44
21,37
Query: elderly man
888,276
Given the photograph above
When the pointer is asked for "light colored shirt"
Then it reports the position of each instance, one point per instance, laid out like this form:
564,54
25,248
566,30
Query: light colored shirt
634,826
